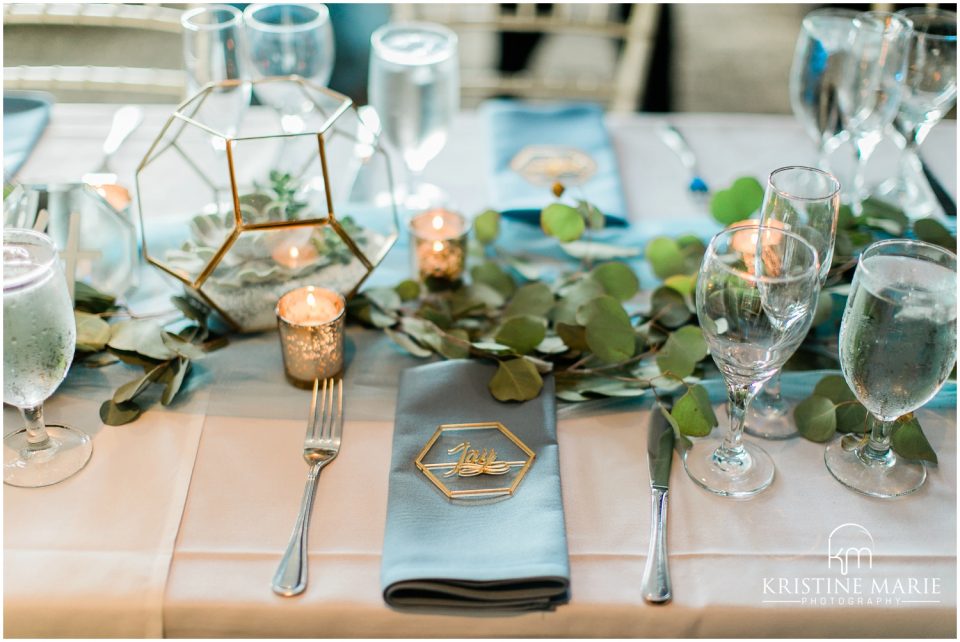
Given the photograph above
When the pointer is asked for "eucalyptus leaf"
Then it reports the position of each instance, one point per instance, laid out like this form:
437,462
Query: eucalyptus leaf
493,275
574,336
527,269
387,299
682,351
684,284
408,344
617,279
142,336
609,334
573,297
738,202
114,414
178,371
89,299
598,251
815,418
486,227
516,380
522,333
680,443
669,307
132,358
189,308
932,231
183,348
99,360
552,345
131,389
909,441
93,333
693,412
885,216
593,216
455,344
665,257
408,290
562,222
534,299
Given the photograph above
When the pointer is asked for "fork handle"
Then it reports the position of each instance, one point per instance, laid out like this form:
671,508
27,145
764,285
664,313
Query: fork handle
291,576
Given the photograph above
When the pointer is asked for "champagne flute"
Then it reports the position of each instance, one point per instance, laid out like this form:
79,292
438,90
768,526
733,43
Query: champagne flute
415,89
815,75
872,86
213,53
805,201
39,336
929,92
289,40
756,293
904,294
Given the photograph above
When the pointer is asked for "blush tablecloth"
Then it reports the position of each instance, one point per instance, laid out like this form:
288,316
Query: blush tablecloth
176,526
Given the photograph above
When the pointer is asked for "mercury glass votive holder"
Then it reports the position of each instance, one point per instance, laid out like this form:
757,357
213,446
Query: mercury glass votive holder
311,321
438,244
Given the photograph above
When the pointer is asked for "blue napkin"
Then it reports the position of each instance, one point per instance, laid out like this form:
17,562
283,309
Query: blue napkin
25,116
515,125
508,554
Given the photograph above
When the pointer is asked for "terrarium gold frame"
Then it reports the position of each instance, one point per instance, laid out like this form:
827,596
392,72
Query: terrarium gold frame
239,226
427,469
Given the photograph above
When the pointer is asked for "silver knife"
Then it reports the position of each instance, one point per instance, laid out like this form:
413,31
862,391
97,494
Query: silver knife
656,573
673,139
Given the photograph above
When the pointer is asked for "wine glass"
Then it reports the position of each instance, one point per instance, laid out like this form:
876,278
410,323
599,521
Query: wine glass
898,344
289,40
415,89
929,92
213,52
39,336
756,293
872,85
815,75
805,201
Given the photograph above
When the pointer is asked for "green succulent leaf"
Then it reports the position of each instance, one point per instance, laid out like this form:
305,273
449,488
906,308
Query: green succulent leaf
682,351
609,333
486,227
522,333
562,222
816,418
909,441
693,412
516,380
617,279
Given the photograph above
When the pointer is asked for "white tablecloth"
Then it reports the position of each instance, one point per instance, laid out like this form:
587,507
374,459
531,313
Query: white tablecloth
177,524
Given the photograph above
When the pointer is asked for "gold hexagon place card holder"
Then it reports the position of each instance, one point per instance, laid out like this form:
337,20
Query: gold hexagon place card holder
475,461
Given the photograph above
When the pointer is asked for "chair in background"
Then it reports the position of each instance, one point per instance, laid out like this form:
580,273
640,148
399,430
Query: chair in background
38,36
588,52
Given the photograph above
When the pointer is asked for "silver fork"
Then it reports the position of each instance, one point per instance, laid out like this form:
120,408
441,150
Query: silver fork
320,447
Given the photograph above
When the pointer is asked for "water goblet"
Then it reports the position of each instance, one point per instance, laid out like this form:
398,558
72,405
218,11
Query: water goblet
213,51
818,61
289,40
756,293
415,90
872,86
39,336
929,92
805,201
904,294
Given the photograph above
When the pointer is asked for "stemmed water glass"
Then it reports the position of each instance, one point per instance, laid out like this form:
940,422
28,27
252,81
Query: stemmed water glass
756,293
929,92
898,344
872,85
289,40
415,90
213,52
805,201
818,61
39,336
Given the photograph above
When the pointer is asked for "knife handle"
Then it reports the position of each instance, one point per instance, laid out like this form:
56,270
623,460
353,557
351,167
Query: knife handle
656,573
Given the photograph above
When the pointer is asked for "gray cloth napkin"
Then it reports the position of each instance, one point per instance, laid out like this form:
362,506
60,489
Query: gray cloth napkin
508,554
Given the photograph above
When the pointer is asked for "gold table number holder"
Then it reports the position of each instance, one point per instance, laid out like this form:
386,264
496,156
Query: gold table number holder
475,461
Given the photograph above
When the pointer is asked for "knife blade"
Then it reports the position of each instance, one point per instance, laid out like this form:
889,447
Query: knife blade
656,572
674,140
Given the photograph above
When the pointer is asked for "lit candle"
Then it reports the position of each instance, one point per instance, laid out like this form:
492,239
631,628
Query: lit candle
745,242
311,334
439,244
294,256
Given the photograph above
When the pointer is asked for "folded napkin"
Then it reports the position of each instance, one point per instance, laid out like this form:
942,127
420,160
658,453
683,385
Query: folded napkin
515,125
25,115
507,554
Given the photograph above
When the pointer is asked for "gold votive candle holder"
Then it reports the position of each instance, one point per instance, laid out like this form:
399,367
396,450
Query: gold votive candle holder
310,320
438,244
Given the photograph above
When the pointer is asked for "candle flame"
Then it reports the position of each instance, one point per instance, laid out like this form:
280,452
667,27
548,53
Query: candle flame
311,300
438,246
294,252
437,222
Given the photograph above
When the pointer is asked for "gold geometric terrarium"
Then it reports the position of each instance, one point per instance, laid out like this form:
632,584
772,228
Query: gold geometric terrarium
244,204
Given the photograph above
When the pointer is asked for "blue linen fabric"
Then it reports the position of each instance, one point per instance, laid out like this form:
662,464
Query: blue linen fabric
25,116
515,125
507,554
